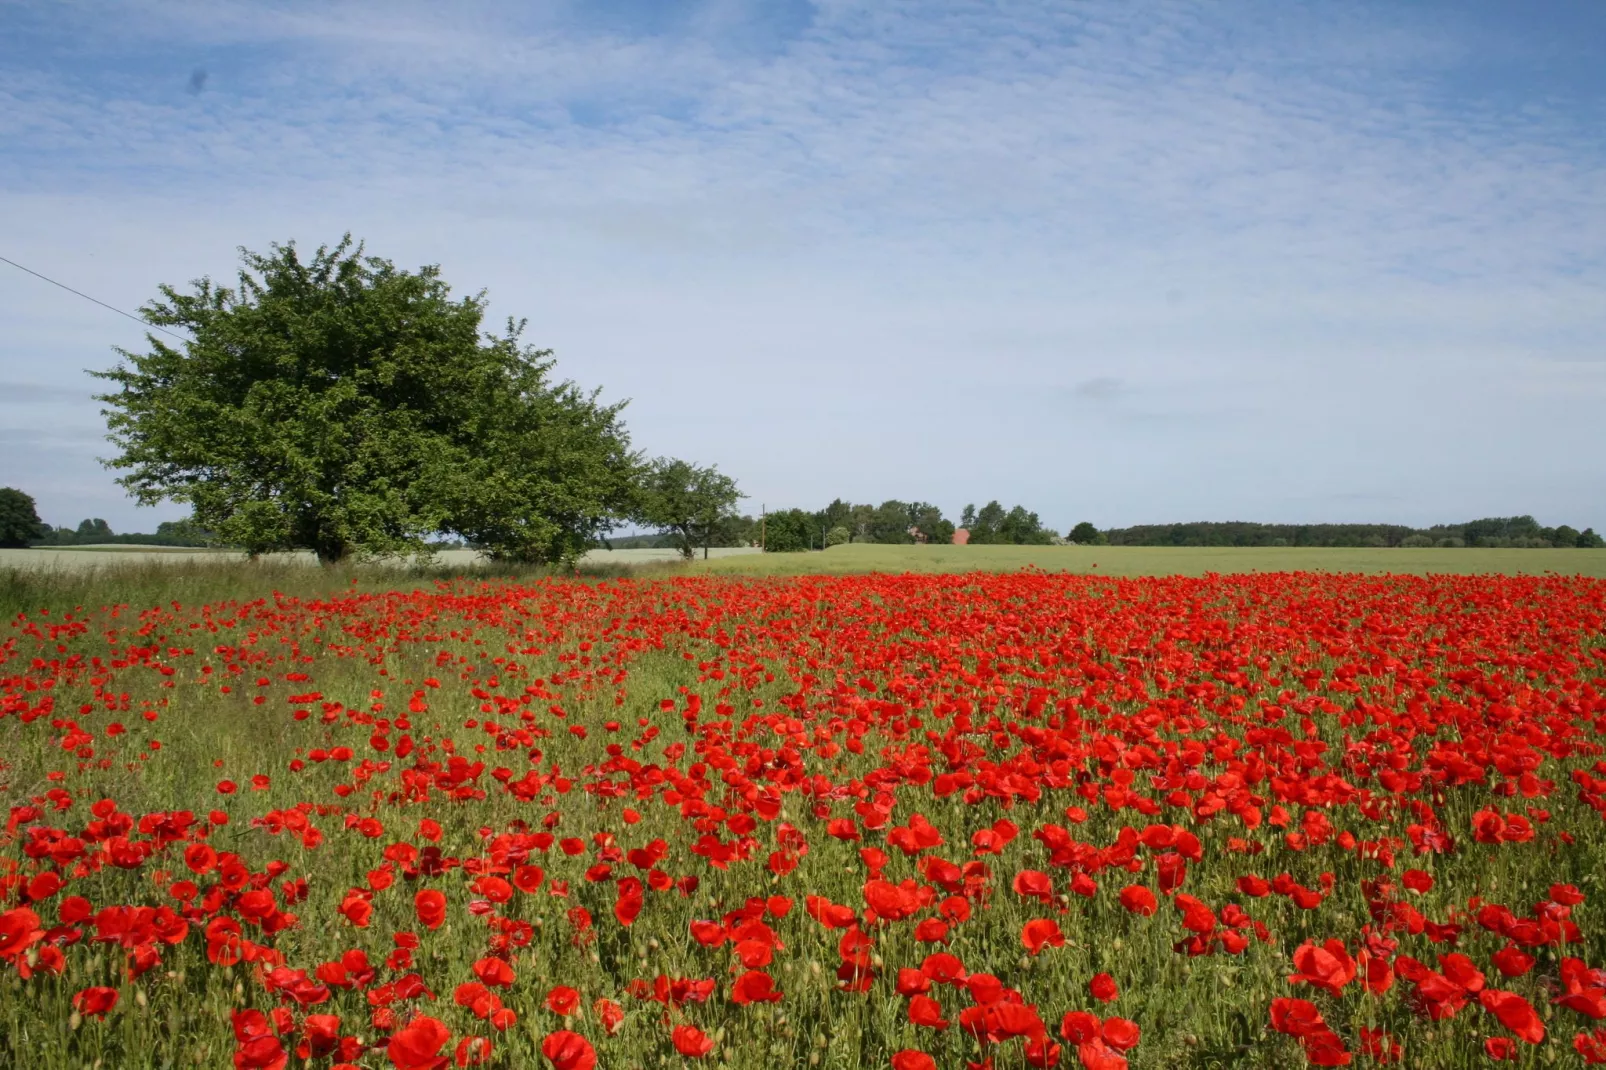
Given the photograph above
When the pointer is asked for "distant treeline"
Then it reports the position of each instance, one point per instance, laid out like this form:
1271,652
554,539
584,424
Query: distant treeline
97,532
892,522
1507,531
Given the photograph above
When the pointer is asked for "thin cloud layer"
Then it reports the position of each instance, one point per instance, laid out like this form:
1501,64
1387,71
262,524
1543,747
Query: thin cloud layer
1120,262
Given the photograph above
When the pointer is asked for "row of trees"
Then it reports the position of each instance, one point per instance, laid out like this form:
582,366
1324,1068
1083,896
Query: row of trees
96,532
891,522
338,404
1514,531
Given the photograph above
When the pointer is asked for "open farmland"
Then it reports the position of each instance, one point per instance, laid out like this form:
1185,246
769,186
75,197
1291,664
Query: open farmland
78,558
913,821
1165,560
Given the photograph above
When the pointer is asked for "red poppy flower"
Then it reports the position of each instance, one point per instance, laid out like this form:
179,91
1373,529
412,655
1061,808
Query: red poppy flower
1033,884
910,1059
691,1041
1515,1013
416,1046
754,986
1103,988
1295,1017
1040,933
567,1050
494,972
1139,900
430,906
610,1014
1328,967
1122,1034
95,1002
925,1011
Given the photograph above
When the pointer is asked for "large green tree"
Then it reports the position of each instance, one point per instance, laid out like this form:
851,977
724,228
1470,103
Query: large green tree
339,404
19,519
690,503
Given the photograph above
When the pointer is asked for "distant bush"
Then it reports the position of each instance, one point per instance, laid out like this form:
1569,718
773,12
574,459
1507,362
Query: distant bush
1417,541
837,536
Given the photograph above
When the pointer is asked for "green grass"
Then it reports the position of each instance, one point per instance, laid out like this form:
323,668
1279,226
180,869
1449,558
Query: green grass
1161,560
197,578
191,580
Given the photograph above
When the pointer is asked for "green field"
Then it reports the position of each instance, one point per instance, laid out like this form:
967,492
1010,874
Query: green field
34,579
1161,560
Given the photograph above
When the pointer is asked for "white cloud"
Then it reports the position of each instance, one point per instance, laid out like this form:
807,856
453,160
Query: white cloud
843,251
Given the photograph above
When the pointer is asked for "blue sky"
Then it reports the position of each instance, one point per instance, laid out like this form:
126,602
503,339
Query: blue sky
1124,262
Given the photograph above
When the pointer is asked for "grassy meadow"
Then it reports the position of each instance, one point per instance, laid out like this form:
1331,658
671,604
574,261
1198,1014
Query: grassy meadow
29,580
1163,560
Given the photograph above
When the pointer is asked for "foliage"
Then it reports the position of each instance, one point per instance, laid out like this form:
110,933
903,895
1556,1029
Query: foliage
1085,534
550,469
1489,533
688,502
92,530
345,406
793,530
19,519
838,536
991,525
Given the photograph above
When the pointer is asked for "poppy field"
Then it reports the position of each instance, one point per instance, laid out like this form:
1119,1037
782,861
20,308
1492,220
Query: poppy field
864,821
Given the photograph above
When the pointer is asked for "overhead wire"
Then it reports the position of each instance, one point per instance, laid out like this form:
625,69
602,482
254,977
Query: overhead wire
96,300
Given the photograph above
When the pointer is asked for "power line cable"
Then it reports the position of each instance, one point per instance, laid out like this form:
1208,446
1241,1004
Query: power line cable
97,301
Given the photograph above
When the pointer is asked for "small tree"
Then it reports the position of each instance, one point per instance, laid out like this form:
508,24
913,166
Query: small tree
93,530
1085,534
1588,540
184,532
837,536
792,531
19,519
687,502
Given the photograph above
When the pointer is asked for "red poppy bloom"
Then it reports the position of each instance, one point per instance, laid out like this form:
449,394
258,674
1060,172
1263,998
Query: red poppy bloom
1033,884
1328,967
1040,933
1295,1017
691,1041
430,906
1121,1034
567,1050
95,1002
494,972
925,1011
1139,900
1515,1013
416,1046
754,986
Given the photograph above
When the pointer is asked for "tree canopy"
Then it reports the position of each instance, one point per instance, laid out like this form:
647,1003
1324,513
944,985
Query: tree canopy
19,519
688,502
339,404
